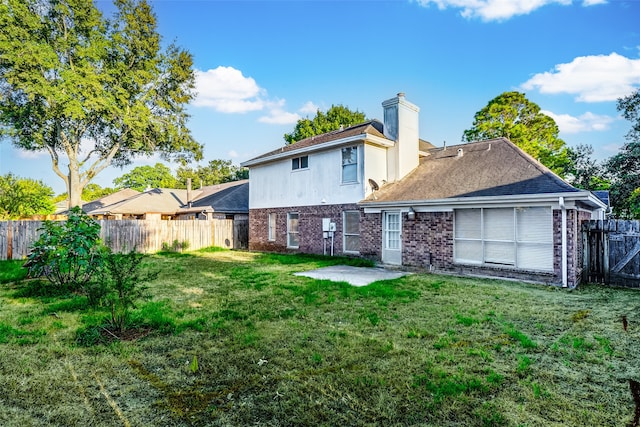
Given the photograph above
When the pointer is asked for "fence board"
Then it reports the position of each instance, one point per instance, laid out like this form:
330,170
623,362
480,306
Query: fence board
613,252
148,236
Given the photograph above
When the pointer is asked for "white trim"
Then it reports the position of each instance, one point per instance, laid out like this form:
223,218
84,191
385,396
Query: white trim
447,205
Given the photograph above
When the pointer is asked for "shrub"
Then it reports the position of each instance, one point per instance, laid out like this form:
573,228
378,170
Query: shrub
121,284
68,253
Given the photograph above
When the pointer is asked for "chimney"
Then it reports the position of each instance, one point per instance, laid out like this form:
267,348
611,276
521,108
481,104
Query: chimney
188,192
401,126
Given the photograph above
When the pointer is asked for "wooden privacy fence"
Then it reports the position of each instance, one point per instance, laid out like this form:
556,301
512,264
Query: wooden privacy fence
612,252
148,236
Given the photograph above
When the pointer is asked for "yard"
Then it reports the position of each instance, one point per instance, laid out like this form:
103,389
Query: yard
233,339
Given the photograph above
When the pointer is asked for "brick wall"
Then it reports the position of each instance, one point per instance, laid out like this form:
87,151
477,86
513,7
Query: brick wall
427,241
309,225
574,245
371,236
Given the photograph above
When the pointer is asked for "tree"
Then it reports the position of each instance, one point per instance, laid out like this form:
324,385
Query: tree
335,117
142,178
94,91
90,192
513,116
584,171
23,197
624,167
216,172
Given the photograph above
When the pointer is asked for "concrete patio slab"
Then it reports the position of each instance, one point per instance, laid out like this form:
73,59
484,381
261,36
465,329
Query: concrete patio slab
356,276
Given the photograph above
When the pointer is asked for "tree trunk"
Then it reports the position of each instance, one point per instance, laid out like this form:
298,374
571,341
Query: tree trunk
74,186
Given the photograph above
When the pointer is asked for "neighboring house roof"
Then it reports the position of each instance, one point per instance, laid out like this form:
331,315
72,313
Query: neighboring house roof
157,200
491,168
118,196
370,129
230,197
602,195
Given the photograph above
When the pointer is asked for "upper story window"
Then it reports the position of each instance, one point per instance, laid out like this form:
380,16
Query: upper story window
300,163
350,164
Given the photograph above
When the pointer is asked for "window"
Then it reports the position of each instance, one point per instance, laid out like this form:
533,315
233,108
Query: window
272,227
392,231
351,234
293,240
350,164
300,163
518,237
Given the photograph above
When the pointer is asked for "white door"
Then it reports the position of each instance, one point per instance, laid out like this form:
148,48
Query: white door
392,238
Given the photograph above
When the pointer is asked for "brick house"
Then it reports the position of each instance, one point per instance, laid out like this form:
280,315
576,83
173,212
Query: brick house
377,190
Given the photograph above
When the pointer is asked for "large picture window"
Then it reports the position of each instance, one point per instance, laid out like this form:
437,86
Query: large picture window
293,240
350,164
351,232
518,237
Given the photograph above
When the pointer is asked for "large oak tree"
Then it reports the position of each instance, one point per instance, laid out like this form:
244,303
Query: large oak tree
95,91
513,116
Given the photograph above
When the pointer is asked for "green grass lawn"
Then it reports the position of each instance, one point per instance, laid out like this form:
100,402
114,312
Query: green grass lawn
234,339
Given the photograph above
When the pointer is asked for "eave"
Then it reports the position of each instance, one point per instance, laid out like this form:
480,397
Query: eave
363,137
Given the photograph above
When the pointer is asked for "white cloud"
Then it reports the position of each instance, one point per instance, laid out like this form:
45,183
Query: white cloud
29,154
587,122
278,116
499,10
309,108
594,78
233,154
226,90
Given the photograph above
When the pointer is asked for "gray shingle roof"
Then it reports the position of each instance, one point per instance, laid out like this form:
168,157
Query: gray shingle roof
372,127
158,200
494,167
231,197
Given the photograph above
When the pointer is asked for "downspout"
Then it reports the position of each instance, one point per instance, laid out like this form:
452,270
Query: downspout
563,210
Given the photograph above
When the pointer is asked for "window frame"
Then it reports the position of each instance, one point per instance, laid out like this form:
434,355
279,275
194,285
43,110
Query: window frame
291,232
346,234
354,165
299,160
272,219
540,243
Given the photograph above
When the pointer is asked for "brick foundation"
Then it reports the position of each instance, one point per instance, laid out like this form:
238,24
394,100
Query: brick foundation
309,225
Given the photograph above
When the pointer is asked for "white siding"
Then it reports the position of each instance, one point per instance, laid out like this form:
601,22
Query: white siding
277,185
375,160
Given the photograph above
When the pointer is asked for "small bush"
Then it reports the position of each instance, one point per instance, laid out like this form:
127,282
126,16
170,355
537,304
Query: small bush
68,253
121,283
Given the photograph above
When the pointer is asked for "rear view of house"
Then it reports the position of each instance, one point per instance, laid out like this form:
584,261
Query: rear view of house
377,190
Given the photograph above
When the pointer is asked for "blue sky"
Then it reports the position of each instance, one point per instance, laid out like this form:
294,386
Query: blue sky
262,65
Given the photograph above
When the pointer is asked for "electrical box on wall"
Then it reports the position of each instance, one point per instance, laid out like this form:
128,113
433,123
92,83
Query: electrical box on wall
325,224
332,226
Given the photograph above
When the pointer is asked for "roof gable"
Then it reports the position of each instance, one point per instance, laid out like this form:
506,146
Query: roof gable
370,128
494,167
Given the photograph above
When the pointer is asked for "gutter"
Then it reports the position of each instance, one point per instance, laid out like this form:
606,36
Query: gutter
372,206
